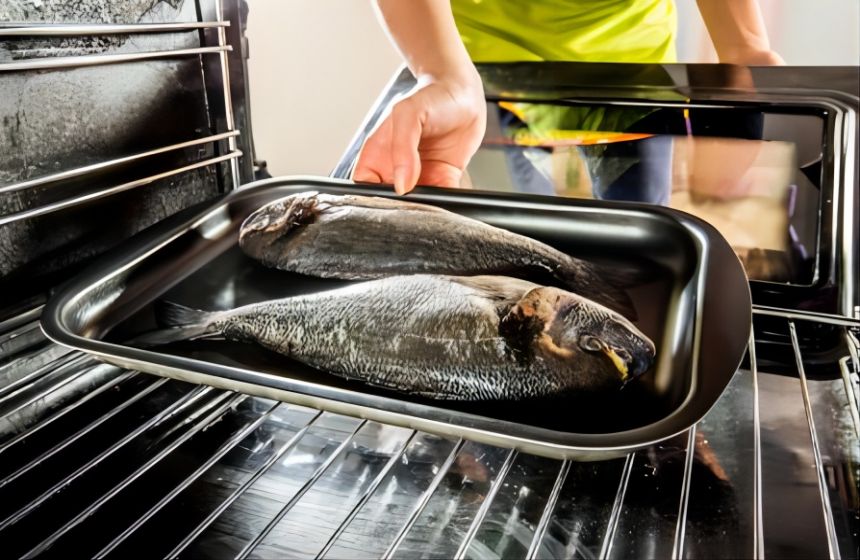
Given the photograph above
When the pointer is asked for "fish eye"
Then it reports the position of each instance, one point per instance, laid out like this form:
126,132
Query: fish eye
590,343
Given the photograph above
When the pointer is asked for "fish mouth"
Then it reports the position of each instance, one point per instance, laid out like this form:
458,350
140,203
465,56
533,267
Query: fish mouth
630,368
280,217
620,364
256,222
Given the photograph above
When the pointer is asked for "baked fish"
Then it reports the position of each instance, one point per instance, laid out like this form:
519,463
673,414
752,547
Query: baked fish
446,337
361,237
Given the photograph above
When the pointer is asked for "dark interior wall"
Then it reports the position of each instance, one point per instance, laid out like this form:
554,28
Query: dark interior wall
58,119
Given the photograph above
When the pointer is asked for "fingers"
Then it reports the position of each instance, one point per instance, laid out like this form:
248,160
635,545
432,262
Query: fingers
406,129
426,137
440,173
390,153
365,175
373,164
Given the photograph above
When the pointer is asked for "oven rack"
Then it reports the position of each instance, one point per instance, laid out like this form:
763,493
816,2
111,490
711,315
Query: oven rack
100,461
217,77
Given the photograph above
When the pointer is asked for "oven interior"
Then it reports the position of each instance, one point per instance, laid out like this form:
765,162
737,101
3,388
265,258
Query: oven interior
118,117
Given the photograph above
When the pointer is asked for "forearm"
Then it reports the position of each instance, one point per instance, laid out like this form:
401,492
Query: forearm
738,32
426,36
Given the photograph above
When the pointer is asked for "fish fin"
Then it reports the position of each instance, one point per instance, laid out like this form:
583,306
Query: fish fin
383,203
178,323
171,314
495,287
598,283
520,326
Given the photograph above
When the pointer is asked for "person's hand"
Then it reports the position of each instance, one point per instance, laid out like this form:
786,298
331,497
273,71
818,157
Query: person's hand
427,137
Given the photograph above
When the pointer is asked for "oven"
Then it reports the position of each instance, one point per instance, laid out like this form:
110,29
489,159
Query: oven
121,120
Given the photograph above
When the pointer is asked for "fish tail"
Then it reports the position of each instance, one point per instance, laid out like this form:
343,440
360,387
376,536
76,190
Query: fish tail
178,323
600,284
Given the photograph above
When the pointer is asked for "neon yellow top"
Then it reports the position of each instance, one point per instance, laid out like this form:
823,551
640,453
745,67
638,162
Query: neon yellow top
568,30
573,30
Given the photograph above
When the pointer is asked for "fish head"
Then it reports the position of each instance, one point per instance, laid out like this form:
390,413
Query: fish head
263,233
583,338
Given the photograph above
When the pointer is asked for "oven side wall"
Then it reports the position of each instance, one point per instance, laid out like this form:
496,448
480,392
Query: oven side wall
110,121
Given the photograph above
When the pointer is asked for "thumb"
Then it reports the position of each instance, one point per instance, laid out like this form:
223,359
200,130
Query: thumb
406,129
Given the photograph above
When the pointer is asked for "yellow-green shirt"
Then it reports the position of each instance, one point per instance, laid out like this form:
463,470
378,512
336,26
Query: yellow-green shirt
568,30
573,30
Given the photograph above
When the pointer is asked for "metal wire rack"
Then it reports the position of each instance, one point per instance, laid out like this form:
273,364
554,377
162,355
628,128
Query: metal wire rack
98,461
65,62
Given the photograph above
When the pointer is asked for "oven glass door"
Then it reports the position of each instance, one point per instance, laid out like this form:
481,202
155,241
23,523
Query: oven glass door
753,173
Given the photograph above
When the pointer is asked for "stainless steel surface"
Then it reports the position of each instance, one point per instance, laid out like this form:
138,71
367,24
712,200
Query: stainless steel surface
96,60
854,350
826,318
225,87
758,537
424,499
843,230
33,367
223,402
78,200
262,477
700,282
188,399
850,222
850,390
190,479
485,504
46,382
543,524
612,524
48,453
241,489
46,30
279,516
826,510
681,525
257,513
366,495
810,460
317,514
67,410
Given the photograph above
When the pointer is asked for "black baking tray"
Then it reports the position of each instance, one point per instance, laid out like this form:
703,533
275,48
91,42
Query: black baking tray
693,300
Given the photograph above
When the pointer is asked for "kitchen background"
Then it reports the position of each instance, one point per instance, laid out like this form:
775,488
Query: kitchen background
316,66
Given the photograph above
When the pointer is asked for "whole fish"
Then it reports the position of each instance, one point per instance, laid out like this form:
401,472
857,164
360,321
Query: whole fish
447,337
360,237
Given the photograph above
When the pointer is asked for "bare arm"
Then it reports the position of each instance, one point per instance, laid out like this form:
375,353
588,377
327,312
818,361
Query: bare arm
425,33
737,30
429,135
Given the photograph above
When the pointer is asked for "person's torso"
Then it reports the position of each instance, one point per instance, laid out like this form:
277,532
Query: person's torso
574,30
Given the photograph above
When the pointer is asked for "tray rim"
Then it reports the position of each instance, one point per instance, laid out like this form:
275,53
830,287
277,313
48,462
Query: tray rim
583,447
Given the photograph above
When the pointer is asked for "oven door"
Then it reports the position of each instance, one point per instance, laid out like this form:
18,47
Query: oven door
755,152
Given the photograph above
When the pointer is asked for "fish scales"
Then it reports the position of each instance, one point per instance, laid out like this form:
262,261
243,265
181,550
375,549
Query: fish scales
445,319
472,338
359,237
